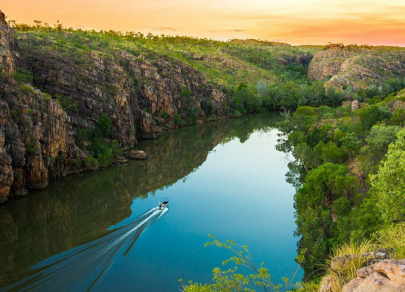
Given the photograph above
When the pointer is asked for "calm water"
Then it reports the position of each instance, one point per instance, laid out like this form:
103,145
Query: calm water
224,178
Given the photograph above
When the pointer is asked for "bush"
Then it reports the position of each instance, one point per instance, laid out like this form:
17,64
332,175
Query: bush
392,237
177,120
163,114
347,272
104,124
342,206
369,116
388,185
90,161
26,89
24,76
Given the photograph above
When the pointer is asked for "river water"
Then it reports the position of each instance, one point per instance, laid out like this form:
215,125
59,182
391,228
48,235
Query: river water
99,229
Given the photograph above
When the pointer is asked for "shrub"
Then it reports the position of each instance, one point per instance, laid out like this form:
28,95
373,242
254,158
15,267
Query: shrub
388,184
90,161
393,237
347,272
104,124
24,76
163,114
177,120
26,89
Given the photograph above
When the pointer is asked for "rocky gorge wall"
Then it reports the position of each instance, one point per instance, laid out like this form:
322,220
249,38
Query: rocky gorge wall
39,124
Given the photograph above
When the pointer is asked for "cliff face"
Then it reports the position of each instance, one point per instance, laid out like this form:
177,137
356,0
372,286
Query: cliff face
33,131
358,67
39,127
10,58
131,89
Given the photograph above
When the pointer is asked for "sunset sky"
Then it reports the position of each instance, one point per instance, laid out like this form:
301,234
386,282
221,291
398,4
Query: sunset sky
376,22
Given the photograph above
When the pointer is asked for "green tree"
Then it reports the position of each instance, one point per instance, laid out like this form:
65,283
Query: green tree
104,124
325,184
351,143
398,118
369,116
377,144
388,185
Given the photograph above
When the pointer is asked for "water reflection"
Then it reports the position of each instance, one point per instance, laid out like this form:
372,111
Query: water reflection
79,269
80,209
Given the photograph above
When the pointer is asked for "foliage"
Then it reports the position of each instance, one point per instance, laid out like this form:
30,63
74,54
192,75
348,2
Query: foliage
22,75
347,272
67,103
233,280
388,184
163,114
369,116
326,183
177,120
332,202
90,161
392,236
104,124
378,140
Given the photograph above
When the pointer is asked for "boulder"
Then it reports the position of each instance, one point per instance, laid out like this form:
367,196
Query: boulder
384,276
120,160
138,155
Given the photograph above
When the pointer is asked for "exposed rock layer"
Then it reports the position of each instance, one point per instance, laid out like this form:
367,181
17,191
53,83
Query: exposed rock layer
384,276
37,134
358,67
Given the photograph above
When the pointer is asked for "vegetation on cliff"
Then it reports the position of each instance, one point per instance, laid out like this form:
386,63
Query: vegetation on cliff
138,84
348,175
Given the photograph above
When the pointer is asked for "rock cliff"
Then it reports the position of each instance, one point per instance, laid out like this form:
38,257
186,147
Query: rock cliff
34,131
358,67
52,93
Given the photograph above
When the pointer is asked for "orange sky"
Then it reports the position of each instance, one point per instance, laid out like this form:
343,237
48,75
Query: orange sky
376,22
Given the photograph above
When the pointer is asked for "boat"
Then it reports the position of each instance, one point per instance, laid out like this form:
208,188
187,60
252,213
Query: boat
163,204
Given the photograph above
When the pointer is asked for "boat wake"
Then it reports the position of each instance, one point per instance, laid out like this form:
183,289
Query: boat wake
79,269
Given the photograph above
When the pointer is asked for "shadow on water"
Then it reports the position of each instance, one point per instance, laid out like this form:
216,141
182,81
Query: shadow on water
82,208
79,269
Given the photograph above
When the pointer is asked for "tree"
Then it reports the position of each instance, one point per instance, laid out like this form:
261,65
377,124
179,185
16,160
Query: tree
104,124
377,143
325,184
230,280
350,143
388,185
369,116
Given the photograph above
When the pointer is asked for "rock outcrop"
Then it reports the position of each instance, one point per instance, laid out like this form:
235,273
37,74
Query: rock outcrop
54,93
357,67
10,57
384,276
138,155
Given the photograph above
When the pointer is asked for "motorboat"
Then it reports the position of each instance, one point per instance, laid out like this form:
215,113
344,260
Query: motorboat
164,203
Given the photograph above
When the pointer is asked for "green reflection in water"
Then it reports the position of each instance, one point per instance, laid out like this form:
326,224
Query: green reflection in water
81,208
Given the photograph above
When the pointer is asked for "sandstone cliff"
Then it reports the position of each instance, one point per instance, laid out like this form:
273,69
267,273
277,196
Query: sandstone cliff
51,94
34,132
358,67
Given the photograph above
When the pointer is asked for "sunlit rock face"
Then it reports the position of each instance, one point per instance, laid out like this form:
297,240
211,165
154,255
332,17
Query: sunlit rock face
356,66
384,276
35,131
10,57
37,134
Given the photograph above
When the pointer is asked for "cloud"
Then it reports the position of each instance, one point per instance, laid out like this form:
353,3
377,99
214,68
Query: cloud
227,30
162,28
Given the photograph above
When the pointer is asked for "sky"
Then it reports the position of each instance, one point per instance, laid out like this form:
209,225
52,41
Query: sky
374,22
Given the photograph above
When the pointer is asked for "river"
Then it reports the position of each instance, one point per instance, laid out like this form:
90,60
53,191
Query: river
223,178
